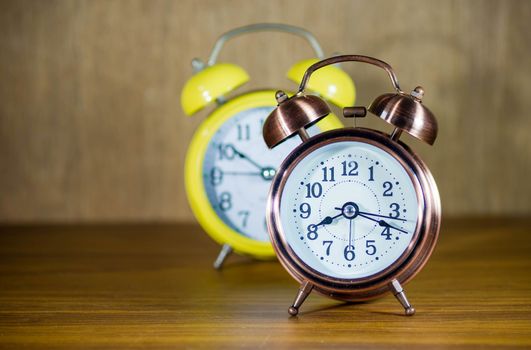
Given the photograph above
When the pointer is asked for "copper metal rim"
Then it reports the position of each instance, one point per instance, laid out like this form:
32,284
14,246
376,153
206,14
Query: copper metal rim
404,268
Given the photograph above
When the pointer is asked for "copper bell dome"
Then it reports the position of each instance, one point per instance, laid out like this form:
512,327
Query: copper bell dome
407,113
292,116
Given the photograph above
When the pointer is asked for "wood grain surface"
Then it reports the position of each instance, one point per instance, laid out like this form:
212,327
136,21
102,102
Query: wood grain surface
152,286
91,127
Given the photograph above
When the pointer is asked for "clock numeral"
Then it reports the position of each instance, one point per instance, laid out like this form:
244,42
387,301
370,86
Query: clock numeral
328,244
245,217
328,174
314,190
306,210
388,186
226,151
349,252
396,210
225,201
386,233
216,176
312,232
244,132
371,173
350,168
371,247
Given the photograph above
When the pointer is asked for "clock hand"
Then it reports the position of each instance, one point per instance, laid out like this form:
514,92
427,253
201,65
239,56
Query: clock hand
250,173
350,232
328,220
354,211
351,210
381,216
382,223
266,172
246,157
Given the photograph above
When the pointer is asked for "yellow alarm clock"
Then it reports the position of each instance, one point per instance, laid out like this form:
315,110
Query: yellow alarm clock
228,167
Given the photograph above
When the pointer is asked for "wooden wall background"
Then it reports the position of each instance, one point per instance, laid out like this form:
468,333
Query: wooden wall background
91,127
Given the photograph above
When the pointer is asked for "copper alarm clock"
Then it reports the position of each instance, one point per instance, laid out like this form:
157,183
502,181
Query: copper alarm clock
352,213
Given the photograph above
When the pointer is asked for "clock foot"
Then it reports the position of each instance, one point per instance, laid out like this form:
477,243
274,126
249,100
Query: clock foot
223,254
400,295
304,290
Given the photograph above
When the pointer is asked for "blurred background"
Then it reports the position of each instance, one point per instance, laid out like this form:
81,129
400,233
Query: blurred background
91,128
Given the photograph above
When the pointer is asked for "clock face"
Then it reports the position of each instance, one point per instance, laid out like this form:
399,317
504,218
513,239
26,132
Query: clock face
238,169
349,210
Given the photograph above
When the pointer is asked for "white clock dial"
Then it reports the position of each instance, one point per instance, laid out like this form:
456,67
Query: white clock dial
238,169
349,210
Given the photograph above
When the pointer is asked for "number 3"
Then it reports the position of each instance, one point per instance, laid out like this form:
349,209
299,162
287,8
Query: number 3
396,210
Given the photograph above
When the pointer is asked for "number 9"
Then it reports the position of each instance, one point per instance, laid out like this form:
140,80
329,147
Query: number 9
305,210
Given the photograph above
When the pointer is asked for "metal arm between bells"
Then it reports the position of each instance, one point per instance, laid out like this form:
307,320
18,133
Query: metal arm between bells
350,58
264,27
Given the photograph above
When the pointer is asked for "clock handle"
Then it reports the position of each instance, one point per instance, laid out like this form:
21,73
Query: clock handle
264,27
404,111
353,58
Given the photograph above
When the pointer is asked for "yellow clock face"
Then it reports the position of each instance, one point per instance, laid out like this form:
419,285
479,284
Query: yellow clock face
229,170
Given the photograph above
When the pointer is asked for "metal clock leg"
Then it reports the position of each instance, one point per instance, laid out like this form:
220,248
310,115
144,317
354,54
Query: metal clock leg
304,291
225,251
400,295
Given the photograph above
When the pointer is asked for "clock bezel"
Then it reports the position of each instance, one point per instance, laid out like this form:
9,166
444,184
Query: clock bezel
407,265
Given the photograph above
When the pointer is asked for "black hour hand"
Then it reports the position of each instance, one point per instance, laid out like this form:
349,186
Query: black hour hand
328,220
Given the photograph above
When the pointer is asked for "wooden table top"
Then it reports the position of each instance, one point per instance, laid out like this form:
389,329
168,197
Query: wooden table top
144,286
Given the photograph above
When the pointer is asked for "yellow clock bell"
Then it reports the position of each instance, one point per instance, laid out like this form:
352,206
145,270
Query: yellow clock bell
228,167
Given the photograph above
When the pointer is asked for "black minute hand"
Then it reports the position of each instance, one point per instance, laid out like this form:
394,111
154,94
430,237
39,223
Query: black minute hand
381,216
382,223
